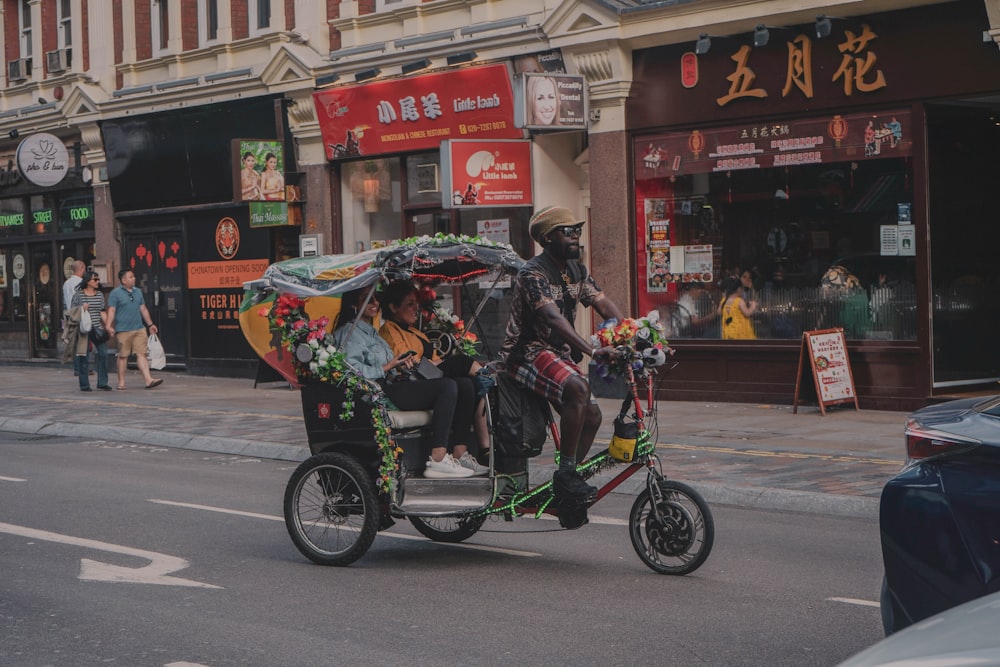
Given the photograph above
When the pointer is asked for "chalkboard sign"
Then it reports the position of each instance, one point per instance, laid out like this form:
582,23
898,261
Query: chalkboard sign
832,379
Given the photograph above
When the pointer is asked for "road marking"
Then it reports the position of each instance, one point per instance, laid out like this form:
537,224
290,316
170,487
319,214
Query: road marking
12,479
271,517
860,603
184,664
160,565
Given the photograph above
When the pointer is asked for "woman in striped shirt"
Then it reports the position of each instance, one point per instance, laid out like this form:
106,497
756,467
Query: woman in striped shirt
91,300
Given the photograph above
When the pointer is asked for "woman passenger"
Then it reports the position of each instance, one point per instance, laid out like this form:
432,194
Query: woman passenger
367,352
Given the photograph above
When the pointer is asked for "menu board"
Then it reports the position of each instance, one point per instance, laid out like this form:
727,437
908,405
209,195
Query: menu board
826,351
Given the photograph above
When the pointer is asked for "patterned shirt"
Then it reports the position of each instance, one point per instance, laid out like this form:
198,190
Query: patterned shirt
95,304
526,334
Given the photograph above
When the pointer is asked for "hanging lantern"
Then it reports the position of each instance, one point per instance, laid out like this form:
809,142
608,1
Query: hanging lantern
838,130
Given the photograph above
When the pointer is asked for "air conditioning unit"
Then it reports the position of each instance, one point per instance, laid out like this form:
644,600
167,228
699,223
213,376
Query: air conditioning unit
57,61
19,70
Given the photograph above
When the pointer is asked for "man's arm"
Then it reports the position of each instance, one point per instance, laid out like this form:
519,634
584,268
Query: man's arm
607,309
111,320
549,315
147,319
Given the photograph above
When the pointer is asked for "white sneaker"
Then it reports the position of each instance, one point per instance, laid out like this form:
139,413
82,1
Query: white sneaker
446,468
469,462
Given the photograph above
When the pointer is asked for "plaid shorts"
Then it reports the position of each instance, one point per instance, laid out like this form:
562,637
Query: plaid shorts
546,375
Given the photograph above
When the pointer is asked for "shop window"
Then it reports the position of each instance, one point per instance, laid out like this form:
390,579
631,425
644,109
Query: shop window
818,232
42,214
13,221
76,213
423,179
371,194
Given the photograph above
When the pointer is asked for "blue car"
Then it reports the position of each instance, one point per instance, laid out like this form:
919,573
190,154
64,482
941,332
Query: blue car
939,518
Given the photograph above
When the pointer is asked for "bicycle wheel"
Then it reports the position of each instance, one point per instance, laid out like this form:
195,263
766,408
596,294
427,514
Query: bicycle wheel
448,528
676,536
331,511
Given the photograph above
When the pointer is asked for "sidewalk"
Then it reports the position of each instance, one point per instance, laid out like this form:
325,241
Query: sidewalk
750,455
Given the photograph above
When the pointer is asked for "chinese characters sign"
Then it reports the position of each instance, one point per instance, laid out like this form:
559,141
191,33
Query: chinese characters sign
757,145
857,71
417,113
486,173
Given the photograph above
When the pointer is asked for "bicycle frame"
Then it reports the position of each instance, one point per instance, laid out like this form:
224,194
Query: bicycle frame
538,500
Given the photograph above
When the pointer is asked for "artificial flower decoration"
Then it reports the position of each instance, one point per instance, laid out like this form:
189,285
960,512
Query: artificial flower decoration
316,358
439,318
640,334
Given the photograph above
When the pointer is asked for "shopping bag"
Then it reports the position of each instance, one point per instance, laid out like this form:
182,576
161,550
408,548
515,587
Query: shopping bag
154,352
86,324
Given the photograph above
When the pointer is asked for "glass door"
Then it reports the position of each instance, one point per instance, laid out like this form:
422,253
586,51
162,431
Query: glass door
43,302
157,259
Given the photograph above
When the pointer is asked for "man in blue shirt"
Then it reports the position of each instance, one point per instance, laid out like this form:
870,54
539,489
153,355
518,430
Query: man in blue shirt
127,313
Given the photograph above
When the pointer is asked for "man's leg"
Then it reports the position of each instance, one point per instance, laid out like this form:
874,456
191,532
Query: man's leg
122,366
575,399
591,423
143,363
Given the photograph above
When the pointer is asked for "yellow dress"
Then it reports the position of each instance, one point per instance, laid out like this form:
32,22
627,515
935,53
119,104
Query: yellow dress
735,325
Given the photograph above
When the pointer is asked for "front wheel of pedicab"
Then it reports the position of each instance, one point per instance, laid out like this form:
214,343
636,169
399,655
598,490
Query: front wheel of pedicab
331,510
673,534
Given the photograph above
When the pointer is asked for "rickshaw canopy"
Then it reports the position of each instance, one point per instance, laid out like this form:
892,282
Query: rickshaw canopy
448,259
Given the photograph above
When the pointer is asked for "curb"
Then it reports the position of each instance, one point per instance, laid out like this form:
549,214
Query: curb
715,494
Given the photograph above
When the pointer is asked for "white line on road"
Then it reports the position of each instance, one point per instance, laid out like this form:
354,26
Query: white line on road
160,565
861,603
12,479
270,517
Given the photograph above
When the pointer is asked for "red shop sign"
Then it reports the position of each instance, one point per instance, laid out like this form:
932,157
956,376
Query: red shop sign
486,173
764,145
417,113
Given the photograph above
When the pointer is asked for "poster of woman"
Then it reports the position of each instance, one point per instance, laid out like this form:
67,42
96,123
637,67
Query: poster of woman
261,168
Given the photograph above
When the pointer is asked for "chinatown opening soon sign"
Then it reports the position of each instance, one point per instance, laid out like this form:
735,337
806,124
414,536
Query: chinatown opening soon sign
417,113
486,173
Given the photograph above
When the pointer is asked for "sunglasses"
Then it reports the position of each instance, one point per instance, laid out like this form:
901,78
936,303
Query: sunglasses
570,231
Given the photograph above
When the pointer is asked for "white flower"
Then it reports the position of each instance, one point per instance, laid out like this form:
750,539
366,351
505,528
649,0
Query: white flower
653,316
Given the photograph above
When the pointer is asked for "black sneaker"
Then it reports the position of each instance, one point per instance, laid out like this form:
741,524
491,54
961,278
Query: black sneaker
568,485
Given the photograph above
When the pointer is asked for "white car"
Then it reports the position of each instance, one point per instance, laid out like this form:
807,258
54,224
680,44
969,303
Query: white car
959,637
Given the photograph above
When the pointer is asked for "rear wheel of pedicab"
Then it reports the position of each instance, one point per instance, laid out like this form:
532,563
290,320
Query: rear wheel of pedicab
331,510
675,536
448,529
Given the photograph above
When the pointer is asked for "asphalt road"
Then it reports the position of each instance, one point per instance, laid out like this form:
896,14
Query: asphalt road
139,555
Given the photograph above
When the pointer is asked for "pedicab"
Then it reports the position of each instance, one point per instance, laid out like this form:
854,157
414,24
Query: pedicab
364,469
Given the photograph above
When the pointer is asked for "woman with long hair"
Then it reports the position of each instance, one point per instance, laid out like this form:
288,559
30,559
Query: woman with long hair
369,353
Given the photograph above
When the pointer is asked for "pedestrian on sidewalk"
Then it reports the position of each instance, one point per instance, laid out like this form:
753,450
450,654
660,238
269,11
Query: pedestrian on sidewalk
69,290
90,300
128,318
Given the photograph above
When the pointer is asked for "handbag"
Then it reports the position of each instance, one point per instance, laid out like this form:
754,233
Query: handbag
98,336
426,370
86,324
155,353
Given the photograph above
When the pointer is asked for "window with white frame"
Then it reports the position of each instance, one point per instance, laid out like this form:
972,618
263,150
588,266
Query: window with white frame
260,16
160,25
24,23
208,21
389,5
64,20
